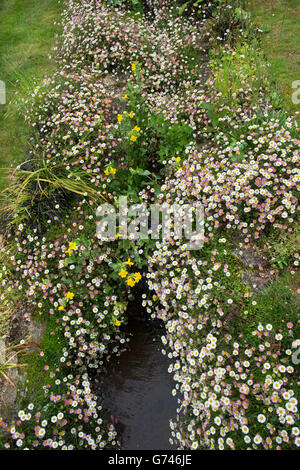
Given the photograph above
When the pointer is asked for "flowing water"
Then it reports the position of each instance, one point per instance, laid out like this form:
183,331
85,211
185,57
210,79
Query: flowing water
137,391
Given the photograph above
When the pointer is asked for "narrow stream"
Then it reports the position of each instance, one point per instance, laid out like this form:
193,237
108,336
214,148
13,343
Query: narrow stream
137,391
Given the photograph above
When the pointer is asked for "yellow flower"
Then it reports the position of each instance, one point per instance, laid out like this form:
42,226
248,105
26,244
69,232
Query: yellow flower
120,117
177,159
137,277
113,171
106,172
125,97
129,262
123,273
133,67
130,282
117,323
70,295
133,138
72,245
61,307
131,114
137,128
69,252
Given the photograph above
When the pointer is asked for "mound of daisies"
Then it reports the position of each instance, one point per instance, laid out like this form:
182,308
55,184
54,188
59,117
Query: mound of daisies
236,383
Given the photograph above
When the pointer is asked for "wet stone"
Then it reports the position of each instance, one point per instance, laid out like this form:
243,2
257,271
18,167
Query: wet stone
256,281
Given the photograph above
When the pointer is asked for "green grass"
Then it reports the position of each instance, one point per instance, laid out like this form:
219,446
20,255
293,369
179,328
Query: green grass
51,344
279,303
280,20
27,34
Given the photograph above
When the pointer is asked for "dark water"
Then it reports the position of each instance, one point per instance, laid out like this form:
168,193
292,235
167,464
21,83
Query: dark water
137,392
